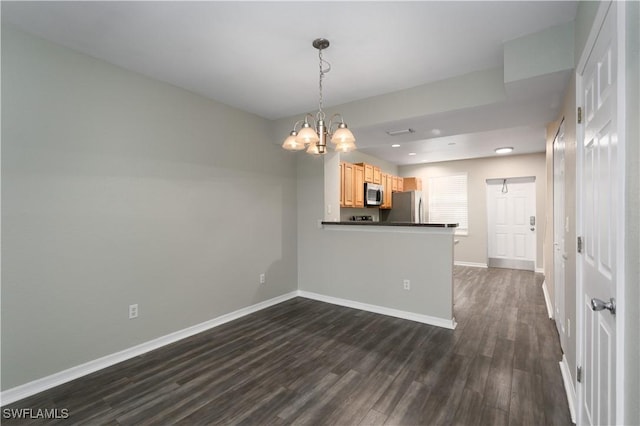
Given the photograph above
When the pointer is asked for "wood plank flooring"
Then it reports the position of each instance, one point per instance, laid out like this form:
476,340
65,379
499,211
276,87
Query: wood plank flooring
307,362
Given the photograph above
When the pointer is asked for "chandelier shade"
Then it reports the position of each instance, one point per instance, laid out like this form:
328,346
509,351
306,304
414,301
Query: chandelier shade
307,135
346,147
313,149
315,137
342,135
291,143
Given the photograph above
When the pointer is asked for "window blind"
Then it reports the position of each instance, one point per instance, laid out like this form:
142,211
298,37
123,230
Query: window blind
448,201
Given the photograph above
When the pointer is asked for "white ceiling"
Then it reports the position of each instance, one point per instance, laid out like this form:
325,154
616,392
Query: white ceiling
257,56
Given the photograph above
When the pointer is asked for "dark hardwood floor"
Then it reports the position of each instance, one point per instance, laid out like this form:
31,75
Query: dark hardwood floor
307,362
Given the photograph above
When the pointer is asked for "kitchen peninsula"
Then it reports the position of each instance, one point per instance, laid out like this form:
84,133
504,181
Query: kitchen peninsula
398,269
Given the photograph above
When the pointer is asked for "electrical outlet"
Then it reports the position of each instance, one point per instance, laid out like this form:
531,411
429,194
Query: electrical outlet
328,208
133,311
263,278
406,284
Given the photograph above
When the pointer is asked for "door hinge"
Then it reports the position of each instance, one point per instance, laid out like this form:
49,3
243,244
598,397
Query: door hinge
579,244
579,374
579,115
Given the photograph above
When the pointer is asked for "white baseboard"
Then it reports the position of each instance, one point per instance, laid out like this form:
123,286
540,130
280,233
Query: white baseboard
23,391
425,319
540,271
568,386
547,299
471,264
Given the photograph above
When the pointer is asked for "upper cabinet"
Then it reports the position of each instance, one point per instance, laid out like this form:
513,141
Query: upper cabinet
387,190
372,174
351,185
377,175
368,172
358,186
397,184
412,184
347,195
353,177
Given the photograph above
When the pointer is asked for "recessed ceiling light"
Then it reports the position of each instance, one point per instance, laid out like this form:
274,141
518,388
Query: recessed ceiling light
412,153
400,132
436,132
504,150
395,145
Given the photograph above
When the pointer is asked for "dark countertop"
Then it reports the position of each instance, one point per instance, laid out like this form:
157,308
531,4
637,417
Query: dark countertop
369,223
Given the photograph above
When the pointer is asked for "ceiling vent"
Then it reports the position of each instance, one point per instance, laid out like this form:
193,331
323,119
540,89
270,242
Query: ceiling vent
400,132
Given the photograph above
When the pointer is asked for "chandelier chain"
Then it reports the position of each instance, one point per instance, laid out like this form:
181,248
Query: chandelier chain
322,73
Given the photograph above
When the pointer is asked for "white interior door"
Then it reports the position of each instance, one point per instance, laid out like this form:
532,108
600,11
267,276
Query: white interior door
511,205
559,225
600,203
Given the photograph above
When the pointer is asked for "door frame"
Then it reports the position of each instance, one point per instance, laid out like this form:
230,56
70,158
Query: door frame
604,8
559,288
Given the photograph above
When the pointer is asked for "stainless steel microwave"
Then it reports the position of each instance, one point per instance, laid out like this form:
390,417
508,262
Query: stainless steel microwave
372,194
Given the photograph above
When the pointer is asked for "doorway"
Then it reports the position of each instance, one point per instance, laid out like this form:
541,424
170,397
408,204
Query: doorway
511,213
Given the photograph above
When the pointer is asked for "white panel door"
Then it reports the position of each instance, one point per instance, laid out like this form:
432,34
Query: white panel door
559,224
511,206
599,204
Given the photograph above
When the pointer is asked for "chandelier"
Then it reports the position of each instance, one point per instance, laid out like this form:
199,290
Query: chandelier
315,138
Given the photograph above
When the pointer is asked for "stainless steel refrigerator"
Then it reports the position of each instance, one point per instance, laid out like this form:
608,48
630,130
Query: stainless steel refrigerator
405,207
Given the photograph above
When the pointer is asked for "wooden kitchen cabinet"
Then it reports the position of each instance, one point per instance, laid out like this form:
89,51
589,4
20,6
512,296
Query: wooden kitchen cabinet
383,178
387,185
377,175
394,187
346,185
400,184
372,174
412,184
341,185
368,171
358,186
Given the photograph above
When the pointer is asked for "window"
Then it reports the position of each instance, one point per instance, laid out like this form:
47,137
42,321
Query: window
448,201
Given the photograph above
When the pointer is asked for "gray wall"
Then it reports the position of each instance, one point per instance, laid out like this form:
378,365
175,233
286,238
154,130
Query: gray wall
472,248
118,189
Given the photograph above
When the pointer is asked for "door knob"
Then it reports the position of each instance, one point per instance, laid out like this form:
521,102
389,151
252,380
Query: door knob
533,229
598,305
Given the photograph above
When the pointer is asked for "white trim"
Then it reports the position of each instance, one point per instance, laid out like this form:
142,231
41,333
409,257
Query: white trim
396,229
547,299
471,264
539,271
568,387
518,179
603,8
621,208
23,391
425,319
